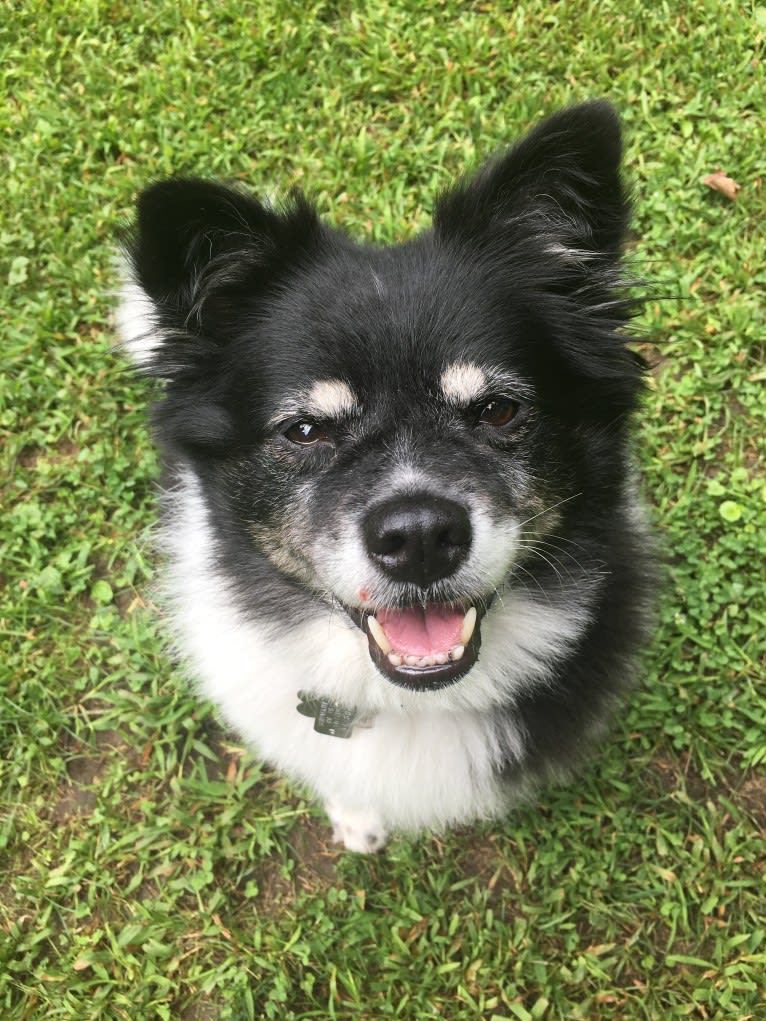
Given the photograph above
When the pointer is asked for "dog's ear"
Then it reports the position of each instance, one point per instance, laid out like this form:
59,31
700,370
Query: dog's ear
195,245
561,184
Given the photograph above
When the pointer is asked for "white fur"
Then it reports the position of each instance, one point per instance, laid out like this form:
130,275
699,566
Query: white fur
344,568
357,831
462,383
428,760
380,287
136,323
331,398
569,253
328,399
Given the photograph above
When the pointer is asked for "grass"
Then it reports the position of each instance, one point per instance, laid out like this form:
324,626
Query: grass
149,868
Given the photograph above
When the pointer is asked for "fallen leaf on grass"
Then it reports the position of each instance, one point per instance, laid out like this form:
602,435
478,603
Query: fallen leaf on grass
721,182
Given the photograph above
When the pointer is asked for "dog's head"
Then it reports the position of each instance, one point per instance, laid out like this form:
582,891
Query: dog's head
401,431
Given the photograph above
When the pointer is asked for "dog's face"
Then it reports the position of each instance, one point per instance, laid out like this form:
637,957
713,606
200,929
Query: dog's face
391,463
407,432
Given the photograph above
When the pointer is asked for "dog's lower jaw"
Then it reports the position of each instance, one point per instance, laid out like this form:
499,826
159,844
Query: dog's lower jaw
358,830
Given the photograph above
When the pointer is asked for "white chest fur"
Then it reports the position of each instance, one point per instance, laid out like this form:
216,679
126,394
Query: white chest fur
428,759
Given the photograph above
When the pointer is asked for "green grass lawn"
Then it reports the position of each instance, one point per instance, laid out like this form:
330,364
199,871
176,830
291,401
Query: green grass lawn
149,868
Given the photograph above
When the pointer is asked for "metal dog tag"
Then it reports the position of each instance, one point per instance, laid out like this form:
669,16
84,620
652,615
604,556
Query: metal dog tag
330,717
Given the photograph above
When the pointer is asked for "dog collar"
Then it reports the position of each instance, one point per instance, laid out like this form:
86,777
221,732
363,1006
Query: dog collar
330,717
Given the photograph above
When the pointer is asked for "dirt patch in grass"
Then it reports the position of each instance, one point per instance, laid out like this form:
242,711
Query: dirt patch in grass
672,776
275,889
203,1010
28,456
314,860
752,796
482,859
654,358
84,768
64,450
73,800
316,857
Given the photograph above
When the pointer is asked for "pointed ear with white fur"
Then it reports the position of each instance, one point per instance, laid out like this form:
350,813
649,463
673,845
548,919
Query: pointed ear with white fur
560,184
195,242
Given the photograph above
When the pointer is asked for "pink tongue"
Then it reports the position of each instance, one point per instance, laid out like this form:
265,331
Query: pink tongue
420,632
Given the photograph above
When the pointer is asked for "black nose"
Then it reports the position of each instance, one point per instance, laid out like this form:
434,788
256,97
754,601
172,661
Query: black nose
418,539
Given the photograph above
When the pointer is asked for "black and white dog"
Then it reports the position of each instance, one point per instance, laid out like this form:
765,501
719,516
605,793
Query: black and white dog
406,553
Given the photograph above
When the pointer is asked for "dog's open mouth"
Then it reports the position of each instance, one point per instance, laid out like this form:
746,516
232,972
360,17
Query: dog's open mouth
424,647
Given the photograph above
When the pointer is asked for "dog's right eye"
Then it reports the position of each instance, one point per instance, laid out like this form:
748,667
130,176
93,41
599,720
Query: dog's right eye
304,434
498,412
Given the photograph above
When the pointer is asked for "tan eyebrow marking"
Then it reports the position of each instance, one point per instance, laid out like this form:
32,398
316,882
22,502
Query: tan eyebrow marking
331,398
463,382
328,399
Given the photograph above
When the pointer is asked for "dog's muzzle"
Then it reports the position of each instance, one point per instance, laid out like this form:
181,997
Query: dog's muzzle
421,539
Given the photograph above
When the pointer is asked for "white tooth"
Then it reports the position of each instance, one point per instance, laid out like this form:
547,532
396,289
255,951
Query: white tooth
427,661
412,660
379,635
456,652
469,623
441,658
394,659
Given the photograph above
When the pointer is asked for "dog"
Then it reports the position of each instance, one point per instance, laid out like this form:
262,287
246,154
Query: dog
406,552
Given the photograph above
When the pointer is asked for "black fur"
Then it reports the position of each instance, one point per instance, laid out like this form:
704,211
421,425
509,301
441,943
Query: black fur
520,270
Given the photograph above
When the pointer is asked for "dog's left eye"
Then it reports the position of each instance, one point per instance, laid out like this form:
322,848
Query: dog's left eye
498,412
306,433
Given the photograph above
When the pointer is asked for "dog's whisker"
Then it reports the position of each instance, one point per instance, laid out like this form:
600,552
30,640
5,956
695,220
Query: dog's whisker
536,548
552,507
546,595
547,536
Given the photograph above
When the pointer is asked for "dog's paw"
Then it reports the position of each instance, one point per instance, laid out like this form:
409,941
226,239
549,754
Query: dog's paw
357,831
